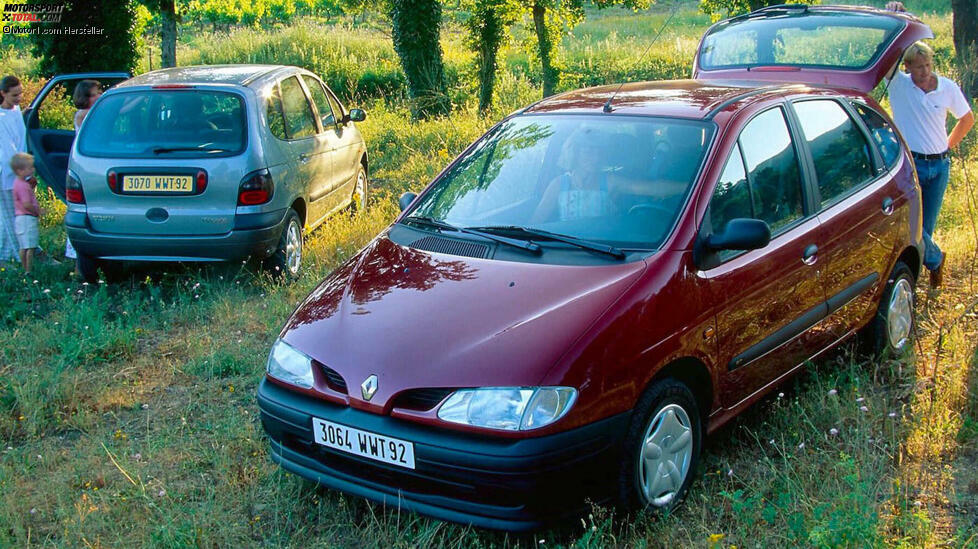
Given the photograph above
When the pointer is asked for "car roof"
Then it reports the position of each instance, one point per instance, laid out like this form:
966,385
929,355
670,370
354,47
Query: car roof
241,75
694,99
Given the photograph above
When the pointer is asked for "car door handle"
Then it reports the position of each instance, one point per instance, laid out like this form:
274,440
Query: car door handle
304,158
810,255
887,206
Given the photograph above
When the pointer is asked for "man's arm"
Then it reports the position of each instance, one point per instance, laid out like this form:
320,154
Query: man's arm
961,129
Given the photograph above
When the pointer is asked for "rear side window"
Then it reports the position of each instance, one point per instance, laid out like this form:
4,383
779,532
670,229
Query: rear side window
882,132
772,170
319,98
162,123
839,150
299,121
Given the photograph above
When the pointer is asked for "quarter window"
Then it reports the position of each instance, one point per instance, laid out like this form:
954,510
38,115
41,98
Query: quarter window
731,198
319,98
273,112
299,120
772,169
839,150
882,133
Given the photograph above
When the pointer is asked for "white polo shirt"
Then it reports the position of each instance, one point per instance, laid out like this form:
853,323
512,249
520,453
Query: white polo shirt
922,116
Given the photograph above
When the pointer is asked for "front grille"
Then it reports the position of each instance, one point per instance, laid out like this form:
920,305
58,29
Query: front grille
333,379
451,246
421,399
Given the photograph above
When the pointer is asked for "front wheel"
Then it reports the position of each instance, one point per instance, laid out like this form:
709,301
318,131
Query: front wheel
358,204
287,259
661,448
892,328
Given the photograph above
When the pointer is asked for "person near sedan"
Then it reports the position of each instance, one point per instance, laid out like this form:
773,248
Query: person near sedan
12,141
26,208
920,101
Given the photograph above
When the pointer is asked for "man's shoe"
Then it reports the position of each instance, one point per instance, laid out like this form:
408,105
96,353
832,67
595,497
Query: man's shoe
937,275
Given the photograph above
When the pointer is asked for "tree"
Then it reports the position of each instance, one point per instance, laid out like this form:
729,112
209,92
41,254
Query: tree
718,9
115,49
416,25
550,18
167,17
965,26
486,29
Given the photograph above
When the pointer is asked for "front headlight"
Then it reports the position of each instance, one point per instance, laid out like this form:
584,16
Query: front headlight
508,408
289,365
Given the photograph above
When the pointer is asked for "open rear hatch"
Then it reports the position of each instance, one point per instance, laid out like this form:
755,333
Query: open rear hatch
852,47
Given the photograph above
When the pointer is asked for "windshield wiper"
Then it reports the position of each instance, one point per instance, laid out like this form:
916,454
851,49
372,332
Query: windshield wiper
574,241
202,148
439,224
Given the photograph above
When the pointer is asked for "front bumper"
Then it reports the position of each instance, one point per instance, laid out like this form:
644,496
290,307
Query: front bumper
505,484
254,235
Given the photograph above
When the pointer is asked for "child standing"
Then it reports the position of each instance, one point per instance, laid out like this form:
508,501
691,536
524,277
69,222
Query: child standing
26,208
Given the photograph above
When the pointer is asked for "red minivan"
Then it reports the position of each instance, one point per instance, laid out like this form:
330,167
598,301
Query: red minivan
608,275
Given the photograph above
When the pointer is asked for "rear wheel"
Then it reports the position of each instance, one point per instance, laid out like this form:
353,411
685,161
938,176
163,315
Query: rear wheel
287,260
87,267
661,448
892,328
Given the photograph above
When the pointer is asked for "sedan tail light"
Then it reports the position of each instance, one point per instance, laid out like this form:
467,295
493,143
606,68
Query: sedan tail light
73,190
256,188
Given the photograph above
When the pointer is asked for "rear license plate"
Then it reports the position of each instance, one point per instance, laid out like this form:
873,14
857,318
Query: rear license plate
157,184
393,451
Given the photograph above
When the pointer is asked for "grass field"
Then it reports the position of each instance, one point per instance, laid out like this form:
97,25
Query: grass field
128,417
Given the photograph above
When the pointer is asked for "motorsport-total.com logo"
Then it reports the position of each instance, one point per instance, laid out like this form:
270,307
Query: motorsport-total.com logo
20,18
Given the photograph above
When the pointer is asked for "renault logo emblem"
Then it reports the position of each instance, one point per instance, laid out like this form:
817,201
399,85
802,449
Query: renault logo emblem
369,387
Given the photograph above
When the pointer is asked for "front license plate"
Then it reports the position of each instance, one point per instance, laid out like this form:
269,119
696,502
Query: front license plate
157,184
364,443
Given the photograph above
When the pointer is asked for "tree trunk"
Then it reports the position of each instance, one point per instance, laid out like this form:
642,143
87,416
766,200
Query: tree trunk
415,34
545,49
168,33
490,34
965,27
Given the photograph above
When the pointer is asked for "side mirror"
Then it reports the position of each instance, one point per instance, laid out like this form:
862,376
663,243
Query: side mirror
357,115
405,200
741,234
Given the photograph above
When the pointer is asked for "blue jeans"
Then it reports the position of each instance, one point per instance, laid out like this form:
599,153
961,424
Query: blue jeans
933,176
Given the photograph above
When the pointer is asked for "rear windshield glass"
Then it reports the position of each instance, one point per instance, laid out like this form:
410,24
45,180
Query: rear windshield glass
829,40
165,123
617,180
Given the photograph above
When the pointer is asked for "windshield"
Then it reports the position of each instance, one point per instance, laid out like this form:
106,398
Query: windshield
165,123
828,40
617,180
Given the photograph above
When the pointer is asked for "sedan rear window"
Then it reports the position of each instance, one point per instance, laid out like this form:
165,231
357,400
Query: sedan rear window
163,123
617,180
829,40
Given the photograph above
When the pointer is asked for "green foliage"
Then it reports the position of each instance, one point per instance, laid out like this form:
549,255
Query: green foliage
719,9
112,50
486,30
415,33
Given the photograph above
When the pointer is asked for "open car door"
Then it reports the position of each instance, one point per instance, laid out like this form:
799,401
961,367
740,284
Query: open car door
851,47
50,124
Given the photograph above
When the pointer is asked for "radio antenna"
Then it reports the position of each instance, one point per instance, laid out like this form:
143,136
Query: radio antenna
607,105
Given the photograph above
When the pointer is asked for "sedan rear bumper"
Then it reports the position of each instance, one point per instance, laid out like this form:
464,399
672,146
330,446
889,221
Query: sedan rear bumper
254,235
506,484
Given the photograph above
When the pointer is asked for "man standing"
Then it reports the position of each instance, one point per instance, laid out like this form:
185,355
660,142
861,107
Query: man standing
920,101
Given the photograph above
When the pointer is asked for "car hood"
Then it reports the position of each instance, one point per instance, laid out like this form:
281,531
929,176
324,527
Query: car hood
418,319
801,44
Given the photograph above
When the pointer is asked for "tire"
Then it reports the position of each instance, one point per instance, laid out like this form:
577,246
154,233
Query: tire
87,266
286,262
665,423
358,202
891,330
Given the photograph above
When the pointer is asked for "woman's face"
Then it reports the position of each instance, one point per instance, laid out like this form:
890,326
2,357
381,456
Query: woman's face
12,96
93,95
